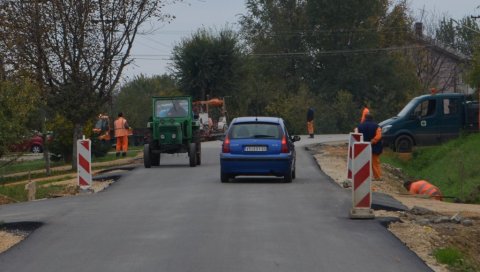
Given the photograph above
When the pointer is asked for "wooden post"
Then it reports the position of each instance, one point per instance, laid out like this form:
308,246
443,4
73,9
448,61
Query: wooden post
31,188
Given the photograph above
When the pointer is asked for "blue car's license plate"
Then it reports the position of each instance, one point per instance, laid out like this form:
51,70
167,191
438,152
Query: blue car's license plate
255,148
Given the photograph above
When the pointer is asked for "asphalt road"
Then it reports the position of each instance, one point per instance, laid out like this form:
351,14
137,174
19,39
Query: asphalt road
177,218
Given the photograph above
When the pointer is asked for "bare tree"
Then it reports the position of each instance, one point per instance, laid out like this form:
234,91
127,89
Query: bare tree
437,67
76,49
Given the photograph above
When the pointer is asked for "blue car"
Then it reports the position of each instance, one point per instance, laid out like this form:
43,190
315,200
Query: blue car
258,146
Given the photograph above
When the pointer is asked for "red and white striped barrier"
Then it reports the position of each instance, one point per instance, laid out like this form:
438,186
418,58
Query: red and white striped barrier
362,179
354,138
84,163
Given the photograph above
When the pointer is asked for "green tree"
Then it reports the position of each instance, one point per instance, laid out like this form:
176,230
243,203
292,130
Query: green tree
396,27
209,63
445,32
343,37
134,99
473,73
18,99
327,47
274,33
467,39
77,50
61,145
459,35
292,107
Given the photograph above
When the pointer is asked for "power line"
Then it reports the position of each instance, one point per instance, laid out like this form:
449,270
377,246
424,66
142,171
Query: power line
308,32
157,42
150,55
148,45
156,57
346,51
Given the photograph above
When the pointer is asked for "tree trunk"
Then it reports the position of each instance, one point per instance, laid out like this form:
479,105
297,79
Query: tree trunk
46,153
77,135
46,156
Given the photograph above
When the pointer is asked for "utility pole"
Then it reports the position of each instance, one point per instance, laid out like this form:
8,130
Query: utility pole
478,87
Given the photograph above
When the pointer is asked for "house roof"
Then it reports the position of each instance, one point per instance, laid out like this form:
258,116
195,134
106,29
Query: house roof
441,48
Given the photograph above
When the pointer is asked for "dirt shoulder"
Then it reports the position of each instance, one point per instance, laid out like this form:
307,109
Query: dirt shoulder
428,225
9,239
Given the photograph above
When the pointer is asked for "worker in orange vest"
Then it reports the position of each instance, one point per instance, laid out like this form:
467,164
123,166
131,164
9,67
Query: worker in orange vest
121,133
310,115
365,111
423,187
372,133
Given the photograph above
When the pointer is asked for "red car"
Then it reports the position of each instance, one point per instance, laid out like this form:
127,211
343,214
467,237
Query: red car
34,145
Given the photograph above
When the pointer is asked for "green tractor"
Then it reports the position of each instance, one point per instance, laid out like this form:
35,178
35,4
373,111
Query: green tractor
173,129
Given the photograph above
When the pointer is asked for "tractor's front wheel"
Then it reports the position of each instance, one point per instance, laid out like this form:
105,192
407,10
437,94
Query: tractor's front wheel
199,153
147,162
192,154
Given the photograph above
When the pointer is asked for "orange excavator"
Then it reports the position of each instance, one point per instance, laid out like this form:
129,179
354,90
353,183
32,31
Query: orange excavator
212,115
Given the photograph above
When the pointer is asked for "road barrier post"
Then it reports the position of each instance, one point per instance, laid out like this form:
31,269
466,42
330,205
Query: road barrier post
362,179
84,164
354,137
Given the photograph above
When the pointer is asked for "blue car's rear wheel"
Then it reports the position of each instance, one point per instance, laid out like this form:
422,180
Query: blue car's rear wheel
224,177
288,177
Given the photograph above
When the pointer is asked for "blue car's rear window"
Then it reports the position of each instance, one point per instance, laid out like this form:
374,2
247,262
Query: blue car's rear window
256,130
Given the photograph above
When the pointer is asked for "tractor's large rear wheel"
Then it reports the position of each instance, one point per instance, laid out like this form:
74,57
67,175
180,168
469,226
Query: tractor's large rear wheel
147,156
192,154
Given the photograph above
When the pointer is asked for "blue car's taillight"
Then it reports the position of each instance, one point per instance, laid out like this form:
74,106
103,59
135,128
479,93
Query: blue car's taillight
285,148
226,145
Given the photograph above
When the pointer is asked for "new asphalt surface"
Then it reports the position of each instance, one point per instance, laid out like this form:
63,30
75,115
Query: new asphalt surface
177,218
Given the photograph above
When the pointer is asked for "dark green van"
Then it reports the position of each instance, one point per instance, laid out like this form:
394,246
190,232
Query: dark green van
430,120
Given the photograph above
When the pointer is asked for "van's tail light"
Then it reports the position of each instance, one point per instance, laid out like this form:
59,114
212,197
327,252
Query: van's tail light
226,145
285,148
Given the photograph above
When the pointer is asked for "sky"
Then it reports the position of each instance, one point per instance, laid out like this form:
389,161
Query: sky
153,48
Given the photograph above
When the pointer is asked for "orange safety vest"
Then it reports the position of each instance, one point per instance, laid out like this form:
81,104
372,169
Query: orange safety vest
422,187
120,129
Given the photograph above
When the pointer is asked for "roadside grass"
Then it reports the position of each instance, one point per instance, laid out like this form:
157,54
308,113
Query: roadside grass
453,167
26,176
25,166
454,258
18,192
